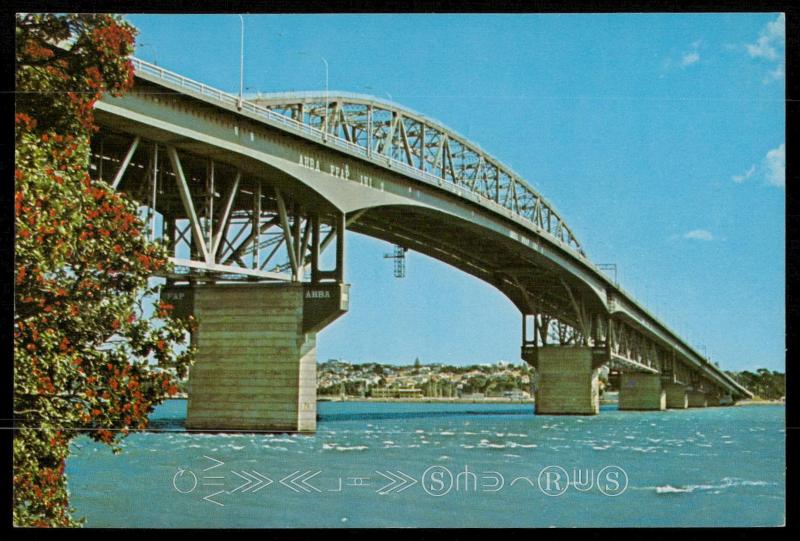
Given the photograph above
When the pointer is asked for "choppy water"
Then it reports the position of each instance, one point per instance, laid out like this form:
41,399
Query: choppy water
444,465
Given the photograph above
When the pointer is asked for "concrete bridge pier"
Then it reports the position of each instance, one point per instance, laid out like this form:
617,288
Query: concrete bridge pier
712,400
641,391
697,398
568,381
255,367
677,396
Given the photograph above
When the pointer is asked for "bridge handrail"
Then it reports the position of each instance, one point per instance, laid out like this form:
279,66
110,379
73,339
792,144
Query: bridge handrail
325,138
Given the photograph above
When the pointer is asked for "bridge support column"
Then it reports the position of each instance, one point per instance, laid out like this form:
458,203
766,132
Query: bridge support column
676,396
640,391
697,399
255,367
568,381
712,400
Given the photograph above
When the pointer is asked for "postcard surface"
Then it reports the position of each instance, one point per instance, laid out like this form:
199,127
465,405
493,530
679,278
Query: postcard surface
348,271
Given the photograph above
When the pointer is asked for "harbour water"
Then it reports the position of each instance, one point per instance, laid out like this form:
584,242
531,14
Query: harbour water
444,465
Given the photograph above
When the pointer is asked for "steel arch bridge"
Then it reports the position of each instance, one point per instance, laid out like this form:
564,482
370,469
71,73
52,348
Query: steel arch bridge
256,189
411,140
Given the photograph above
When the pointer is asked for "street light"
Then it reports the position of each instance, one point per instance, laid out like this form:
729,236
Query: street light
241,66
609,267
325,120
373,89
325,137
155,51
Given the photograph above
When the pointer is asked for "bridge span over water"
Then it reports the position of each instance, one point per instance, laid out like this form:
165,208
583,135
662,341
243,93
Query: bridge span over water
249,193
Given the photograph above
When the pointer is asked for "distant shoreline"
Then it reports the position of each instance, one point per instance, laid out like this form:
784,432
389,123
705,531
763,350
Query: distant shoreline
760,403
430,400
499,400
489,400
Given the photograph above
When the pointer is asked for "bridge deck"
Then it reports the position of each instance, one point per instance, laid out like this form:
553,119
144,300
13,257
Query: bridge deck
519,216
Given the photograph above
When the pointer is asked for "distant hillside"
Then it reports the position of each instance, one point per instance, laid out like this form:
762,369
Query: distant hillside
762,383
342,377
336,377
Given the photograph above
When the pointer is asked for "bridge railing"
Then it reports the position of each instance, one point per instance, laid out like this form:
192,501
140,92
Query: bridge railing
321,136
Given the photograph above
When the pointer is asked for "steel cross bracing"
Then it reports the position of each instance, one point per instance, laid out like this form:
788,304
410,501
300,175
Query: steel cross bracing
615,341
616,344
217,223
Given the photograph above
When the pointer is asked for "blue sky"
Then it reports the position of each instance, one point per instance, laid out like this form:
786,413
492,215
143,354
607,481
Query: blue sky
660,139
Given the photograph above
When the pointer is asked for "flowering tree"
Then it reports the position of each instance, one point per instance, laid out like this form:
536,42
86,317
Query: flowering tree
86,359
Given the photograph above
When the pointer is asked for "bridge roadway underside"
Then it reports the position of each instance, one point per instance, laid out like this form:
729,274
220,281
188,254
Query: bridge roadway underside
519,274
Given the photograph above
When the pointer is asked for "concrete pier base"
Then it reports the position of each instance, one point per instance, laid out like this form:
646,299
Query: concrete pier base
640,391
712,400
676,396
697,399
567,382
255,367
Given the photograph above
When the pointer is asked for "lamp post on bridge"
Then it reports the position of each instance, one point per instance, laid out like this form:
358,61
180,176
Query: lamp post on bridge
325,118
155,51
241,65
609,267
373,88
325,136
